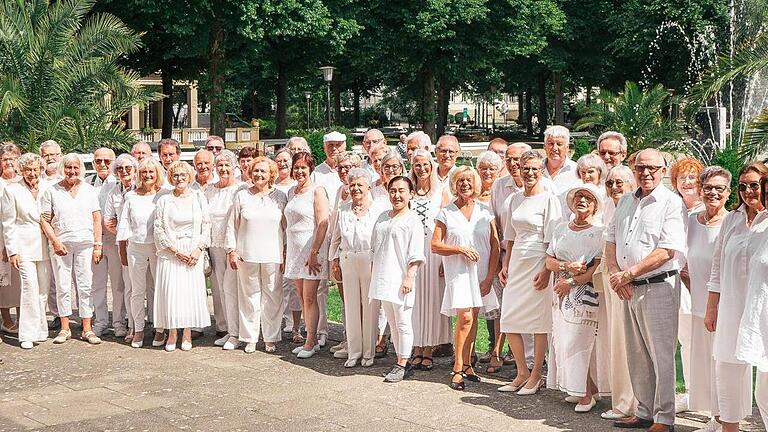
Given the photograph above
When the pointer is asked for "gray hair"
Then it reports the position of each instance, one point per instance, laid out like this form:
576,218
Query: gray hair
531,155
112,152
520,145
123,160
71,157
49,143
434,180
715,171
28,159
226,155
490,157
300,141
623,172
281,151
9,148
420,137
446,140
591,160
359,173
618,136
557,131
350,156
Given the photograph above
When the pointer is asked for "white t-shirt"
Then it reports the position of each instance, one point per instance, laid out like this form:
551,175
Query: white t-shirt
256,229
137,218
701,244
72,217
328,178
396,244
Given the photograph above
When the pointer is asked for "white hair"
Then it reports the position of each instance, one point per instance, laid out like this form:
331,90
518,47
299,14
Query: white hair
623,172
591,160
618,136
49,143
299,141
123,160
490,157
420,137
71,157
226,155
359,173
557,131
520,145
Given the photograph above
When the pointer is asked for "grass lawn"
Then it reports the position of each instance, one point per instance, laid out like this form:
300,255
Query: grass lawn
334,314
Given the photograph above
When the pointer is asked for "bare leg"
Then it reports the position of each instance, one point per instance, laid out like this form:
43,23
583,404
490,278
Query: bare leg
6,315
498,344
518,350
463,329
172,337
308,292
87,325
539,351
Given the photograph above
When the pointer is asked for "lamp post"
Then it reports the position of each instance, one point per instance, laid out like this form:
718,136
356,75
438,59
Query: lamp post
493,108
328,77
308,96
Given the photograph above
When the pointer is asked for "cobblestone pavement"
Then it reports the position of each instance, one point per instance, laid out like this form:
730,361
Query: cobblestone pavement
76,387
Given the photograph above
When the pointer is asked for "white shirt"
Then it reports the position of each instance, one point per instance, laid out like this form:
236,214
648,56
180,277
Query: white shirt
752,342
396,244
501,194
137,218
368,167
219,203
72,217
566,178
701,243
352,233
328,178
256,227
640,226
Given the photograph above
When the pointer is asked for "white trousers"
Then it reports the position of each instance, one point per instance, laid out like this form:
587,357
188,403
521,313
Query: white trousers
35,280
761,395
702,390
399,320
219,266
360,316
127,291
108,267
142,260
52,306
74,266
734,391
260,299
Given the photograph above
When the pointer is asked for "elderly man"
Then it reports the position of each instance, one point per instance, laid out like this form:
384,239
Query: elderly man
447,150
169,151
499,146
558,165
612,147
109,266
214,144
645,246
417,140
50,151
204,175
297,144
141,150
372,139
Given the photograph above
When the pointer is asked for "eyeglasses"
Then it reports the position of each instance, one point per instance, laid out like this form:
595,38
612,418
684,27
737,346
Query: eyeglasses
370,141
126,168
530,169
753,186
391,168
652,169
344,167
50,155
719,189
447,152
611,183
609,153
214,148
102,161
691,178
513,160
10,159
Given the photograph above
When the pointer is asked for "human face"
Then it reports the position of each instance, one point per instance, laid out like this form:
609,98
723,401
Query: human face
590,175
72,171
260,174
102,162
390,168
715,192
333,148
649,171
688,183
204,164
51,155
422,167
8,162
410,147
168,155
376,157
296,148
512,161
140,152
31,173
342,169
584,203
488,173
750,181
610,151
147,178
224,168
447,152
283,161
358,189
532,172
372,137
556,149
215,147
399,195
301,172
499,148
465,186
125,174
244,163
180,181
617,187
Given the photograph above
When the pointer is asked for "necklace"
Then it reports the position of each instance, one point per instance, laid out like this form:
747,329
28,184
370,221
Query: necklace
575,225
710,220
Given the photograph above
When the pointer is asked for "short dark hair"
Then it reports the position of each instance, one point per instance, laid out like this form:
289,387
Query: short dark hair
303,157
248,152
169,142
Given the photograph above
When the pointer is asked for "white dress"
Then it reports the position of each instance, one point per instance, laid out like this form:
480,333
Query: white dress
462,276
752,341
300,233
576,316
532,221
428,323
397,243
181,298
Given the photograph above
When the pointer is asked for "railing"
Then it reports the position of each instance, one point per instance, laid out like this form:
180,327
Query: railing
234,138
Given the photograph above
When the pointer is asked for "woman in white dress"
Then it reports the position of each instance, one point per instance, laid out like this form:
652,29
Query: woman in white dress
27,248
182,233
135,234
728,294
465,236
291,300
573,255
223,280
398,250
429,325
351,255
526,304
703,227
71,220
306,260
255,250
390,166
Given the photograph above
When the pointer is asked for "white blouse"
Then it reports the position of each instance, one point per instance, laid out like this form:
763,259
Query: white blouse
182,221
71,217
256,226
752,343
532,220
352,233
21,223
397,243
137,218
701,243
219,204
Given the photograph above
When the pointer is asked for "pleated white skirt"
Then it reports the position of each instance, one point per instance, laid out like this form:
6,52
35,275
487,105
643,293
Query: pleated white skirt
180,293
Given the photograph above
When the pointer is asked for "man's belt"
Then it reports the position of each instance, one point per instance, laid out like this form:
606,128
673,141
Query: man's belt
661,277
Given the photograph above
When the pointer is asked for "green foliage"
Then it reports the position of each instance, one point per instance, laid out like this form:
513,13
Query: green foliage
581,147
731,160
639,114
266,127
315,139
59,76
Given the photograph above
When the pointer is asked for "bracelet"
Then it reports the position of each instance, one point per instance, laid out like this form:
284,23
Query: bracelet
97,250
561,266
571,281
98,243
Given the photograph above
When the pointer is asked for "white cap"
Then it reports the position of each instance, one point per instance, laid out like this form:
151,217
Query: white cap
334,137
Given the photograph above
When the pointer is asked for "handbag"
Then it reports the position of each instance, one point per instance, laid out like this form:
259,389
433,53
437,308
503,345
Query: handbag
207,268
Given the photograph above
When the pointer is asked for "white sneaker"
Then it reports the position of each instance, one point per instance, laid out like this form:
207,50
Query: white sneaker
322,339
27,345
711,426
250,348
341,346
681,403
232,344
222,340
341,354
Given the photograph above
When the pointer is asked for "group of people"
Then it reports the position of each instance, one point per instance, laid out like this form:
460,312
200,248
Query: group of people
593,269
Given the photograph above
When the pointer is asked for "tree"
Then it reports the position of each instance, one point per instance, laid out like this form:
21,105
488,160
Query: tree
59,75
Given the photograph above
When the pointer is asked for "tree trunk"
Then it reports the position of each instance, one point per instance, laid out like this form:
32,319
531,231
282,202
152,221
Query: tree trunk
254,104
588,100
336,90
281,118
167,125
216,75
529,112
542,104
428,102
558,84
443,99
521,111
356,105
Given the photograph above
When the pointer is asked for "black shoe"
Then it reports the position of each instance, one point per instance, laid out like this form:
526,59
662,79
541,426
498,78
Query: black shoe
383,352
417,366
55,324
457,385
471,377
427,367
633,422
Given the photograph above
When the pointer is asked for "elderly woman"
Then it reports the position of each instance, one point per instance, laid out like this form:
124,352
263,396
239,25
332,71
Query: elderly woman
255,250
573,255
71,220
390,166
703,228
592,170
135,233
223,284
398,250
429,325
727,288
9,278
489,166
27,248
526,304
306,260
182,233
465,236
351,252
620,180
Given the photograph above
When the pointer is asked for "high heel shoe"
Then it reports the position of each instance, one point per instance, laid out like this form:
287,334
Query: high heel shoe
186,345
457,385
159,342
531,391
469,376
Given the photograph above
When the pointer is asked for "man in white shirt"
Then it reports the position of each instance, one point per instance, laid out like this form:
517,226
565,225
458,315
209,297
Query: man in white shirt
169,151
416,140
446,151
371,140
558,165
297,144
50,151
141,150
612,147
499,146
645,248
109,266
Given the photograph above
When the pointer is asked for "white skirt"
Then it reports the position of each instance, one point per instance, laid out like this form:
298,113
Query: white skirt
428,323
525,309
181,298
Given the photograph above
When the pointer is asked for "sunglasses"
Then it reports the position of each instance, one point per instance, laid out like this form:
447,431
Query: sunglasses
102,161
754,186
618,183
652,169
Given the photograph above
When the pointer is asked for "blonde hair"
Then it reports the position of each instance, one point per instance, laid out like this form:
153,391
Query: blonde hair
180,167
271,166
153,164
477,184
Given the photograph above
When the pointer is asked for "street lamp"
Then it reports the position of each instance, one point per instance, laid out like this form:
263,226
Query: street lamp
328,77
308,96
493,108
